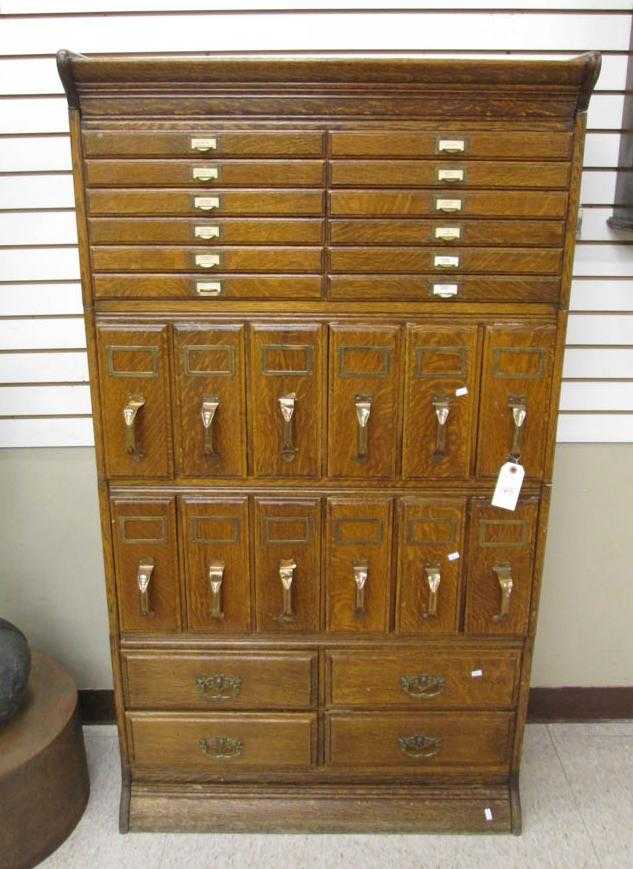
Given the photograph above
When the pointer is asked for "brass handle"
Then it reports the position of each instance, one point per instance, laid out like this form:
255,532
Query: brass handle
208,288
143,579
207,414
448,233
419,745
433,579
423,685
361,575
130,414
205,173
446,262
451,146
287,408
210,144
221,747
287,567
448,205
442,407
216,577
217,686
206,203
206,232
445,291
519,414
207,260
362,403
506,584
450,176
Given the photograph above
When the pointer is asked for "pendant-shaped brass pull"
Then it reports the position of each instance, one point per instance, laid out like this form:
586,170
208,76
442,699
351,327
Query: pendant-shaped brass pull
442,407
206,173
419,745
423,685
210,144
287,567
130,414
216,577
217,686
287,408
143,579
506,584
207,414
362,403
518,407
361,575
433,579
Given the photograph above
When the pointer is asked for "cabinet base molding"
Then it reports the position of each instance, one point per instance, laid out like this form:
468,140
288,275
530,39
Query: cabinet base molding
322,809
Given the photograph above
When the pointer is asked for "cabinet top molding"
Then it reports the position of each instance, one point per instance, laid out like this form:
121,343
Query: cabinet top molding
89,81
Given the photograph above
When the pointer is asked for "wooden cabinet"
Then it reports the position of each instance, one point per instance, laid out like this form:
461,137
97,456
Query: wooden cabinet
326,301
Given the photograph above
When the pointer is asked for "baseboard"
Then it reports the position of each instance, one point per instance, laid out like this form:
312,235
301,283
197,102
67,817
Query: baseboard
546,704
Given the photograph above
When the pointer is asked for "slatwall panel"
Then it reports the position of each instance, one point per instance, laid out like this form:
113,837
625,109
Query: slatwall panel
44,399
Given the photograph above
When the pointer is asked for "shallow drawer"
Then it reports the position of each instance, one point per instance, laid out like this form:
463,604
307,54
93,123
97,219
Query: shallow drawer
213,286
419,742
437,173
208,143
504,203
444,288
209,744
203,173
422,678
205,202
179,259
469,260
451,144
227,680
117,230
447,232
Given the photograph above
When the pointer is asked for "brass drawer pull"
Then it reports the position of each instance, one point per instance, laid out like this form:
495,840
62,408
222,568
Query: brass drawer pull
446,262
216,578
207,260
221,747
206,203
518,407
506,584
450,175
433,579
210,144
205,173
217,686
442,407
451,146
448,205
287,567
445,291
209,288
206,232
448,233
423,685
207,414
287,408
361,575
420,746
130,415
143,579
362,403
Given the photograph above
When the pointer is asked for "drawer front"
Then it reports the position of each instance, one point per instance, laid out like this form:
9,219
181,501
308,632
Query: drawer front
135,400
146,565
476,203
452,144
363,394
119,230
436,173
440,401
204,143
206,260
286,400
550,233
358,578
516,379
208,173
210,745
217,287
220,680
422,678
215,538
442,261
205,202
444,288
209,412
430,551
287,564
418,742
500,565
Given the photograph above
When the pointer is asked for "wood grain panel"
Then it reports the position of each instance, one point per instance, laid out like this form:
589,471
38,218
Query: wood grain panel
306,203
476,203
178,143
441,261
131,286
183,259
429,173
487,288
548,233
222,231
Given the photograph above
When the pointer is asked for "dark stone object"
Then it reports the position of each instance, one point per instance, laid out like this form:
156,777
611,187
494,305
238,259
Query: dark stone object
15,666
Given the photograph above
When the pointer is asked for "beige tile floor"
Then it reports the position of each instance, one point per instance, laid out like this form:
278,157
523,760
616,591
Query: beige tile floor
577,794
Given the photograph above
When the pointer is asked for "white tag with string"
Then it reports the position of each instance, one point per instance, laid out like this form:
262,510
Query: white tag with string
508,486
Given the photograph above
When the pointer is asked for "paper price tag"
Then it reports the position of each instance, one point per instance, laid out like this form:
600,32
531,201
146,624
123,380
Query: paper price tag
508,486
476,674
488,814
453,556
463,390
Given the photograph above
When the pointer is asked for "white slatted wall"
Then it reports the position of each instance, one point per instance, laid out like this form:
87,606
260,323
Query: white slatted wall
44,399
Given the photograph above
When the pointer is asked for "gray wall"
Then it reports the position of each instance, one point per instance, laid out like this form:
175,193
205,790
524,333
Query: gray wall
51,574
